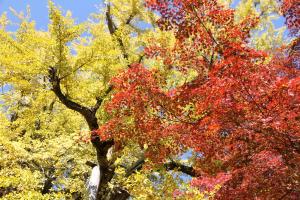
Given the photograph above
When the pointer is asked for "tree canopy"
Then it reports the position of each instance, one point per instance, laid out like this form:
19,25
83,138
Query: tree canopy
181,99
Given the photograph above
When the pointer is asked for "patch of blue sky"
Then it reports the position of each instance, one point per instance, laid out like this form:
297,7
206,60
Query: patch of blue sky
234,3
5,88
81,10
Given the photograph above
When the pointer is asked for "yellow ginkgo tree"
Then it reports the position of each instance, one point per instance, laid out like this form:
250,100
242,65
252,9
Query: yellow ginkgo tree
266,36
58,81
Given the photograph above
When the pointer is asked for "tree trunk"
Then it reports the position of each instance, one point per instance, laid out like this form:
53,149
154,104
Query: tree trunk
106,171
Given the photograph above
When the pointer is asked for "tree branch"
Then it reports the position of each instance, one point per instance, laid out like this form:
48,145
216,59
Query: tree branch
141,58
172,165
90,164
203,25
113,28
76,69
100,99
55,82
110,24
136,166
130,18
180,167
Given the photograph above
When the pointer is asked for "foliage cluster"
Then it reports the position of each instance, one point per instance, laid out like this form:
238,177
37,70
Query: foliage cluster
165,91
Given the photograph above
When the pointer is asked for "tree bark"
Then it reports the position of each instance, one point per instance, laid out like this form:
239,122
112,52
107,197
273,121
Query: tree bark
93,183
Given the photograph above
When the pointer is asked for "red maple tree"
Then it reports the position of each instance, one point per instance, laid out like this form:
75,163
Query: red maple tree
241,112
291,11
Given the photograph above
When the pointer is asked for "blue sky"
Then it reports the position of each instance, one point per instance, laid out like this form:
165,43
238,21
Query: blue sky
39,11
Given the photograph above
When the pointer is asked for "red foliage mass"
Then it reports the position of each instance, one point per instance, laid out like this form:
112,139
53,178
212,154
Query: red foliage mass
291,12
245,115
